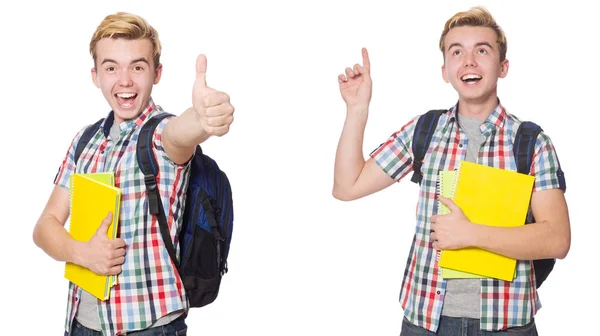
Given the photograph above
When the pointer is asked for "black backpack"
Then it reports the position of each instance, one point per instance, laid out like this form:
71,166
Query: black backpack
522,150
207,225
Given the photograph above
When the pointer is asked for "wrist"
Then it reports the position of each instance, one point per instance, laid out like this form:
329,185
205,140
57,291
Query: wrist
76,249
476,235
358,110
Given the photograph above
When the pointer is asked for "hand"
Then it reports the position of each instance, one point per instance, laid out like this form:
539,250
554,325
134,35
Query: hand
453,230
102,255
213,108
356,85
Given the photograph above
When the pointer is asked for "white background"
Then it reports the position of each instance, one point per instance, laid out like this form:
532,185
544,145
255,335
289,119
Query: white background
301,262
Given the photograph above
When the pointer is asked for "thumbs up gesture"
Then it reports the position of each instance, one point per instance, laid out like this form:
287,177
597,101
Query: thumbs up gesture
213,108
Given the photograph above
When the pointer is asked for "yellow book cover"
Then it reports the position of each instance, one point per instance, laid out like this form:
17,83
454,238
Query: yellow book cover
107,178
446,186
92,197
494,197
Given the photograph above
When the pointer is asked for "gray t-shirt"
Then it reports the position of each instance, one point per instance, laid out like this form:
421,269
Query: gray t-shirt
462,298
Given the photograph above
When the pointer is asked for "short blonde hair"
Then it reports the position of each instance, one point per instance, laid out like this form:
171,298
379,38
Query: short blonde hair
126,26
476,17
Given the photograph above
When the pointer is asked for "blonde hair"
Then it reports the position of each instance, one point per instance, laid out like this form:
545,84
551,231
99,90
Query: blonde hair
476,17
126,26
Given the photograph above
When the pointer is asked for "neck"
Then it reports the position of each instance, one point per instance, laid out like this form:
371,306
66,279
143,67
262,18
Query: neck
477,109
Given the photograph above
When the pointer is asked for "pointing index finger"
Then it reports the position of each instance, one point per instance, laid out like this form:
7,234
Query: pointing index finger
366,61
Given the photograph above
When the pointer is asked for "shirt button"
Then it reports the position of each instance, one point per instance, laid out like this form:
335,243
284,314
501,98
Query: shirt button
438,292
459,145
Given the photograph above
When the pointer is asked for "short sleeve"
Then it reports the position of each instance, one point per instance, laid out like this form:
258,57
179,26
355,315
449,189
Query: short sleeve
546,167
394,156
68,166
159,148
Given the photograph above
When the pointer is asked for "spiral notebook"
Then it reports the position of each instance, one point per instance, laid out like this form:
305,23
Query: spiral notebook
446,186
92,197
488,196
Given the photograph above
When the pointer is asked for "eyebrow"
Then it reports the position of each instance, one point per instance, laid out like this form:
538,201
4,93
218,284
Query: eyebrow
110,60
477,45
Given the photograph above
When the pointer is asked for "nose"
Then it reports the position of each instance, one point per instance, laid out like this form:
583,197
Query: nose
125,78
469,60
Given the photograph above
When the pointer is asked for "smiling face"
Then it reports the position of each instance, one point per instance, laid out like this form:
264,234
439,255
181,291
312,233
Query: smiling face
125,73
472,63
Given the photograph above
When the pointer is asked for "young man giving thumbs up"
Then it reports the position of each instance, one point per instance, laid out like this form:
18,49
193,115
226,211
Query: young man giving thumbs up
149,297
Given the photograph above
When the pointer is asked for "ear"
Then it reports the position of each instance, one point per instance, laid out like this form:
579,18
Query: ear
503,68
445,74
157,73
95,78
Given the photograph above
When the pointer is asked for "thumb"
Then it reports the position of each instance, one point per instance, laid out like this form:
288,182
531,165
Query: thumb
201,70
103,228
449,203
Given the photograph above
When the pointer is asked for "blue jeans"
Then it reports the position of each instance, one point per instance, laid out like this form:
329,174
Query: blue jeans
462,326
176,327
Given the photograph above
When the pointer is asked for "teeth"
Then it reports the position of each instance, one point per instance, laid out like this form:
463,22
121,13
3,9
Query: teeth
125,95
470,76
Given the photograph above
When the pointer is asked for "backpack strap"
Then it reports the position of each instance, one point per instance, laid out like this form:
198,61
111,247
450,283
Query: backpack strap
426,125
149,167
524,145
86,137
523,149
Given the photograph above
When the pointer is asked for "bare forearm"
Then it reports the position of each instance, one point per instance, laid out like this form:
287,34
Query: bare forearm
53,238
186,130
349,160
181,136
528,242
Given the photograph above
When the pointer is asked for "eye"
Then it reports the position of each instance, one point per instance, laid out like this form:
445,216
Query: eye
138,68
456,53
110,69
482,52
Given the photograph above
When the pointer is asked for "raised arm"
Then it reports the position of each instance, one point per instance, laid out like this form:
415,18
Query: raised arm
353,176
211,114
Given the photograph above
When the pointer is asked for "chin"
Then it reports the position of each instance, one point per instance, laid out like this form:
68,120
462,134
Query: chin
474,96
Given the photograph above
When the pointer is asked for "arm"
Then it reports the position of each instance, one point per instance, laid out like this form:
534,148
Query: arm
548,237
211,114
100,254
353,177
49,233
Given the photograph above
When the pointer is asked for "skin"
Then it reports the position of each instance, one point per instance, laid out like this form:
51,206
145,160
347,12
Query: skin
125,67
468,51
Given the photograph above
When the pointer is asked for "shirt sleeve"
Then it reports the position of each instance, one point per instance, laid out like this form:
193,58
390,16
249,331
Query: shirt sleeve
395,155
67,168
546,167
160,152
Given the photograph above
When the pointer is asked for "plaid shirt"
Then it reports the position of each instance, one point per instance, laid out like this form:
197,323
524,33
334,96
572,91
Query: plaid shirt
148,286
503,304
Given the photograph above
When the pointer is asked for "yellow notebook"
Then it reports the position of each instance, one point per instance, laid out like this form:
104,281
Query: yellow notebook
494,197
92,197
446,186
